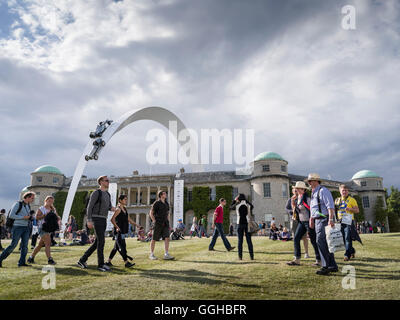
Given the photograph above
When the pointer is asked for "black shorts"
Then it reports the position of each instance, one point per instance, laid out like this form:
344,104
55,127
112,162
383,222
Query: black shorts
161,231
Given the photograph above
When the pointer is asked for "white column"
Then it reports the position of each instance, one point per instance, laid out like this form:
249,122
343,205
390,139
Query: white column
129,196
147,222
137,218
138,196
148,195
169,193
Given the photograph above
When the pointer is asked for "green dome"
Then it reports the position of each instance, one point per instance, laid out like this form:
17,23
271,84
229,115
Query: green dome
48,169
365,174
268,156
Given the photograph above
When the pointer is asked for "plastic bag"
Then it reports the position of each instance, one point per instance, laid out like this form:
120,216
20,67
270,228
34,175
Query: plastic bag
334,238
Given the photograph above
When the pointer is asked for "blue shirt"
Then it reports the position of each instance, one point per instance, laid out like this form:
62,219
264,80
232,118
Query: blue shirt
19,218
326,200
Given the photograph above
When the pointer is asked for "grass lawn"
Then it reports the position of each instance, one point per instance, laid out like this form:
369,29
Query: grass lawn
199,274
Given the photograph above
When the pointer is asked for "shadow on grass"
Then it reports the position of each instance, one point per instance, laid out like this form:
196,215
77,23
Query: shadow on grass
378,260
391,235
229,262
191,276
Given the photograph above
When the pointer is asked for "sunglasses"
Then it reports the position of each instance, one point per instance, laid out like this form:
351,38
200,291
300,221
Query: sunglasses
106,180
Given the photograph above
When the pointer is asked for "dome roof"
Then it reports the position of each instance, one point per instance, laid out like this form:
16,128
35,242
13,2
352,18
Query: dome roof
365,174
268,156
48,169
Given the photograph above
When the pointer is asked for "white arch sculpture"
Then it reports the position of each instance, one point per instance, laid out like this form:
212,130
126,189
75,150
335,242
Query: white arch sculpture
160,115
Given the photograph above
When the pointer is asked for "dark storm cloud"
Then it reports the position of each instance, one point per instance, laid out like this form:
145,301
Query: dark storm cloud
205,73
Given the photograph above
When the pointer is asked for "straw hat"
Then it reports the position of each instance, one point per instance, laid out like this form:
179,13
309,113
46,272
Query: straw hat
313,177
300,185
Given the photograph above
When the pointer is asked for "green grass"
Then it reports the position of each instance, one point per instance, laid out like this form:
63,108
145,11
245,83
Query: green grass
199,274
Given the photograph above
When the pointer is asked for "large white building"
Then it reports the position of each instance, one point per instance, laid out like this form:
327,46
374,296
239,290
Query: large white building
268,188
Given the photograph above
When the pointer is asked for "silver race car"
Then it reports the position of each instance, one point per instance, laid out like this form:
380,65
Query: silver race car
97,145
101,127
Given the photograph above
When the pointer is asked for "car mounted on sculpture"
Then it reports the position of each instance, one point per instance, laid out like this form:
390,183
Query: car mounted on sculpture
101,127
98,144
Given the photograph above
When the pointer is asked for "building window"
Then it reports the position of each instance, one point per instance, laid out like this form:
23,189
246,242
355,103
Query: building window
213,194
267,190
268,218
39,179
284,190
265,168
363,183
153,196
365,201
283,168
190,195
235,192
56,180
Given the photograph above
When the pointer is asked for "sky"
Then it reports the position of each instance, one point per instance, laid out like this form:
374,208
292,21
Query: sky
323,97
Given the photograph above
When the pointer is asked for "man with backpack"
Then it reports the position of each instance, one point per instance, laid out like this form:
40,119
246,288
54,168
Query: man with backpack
19,221
322,209
97,213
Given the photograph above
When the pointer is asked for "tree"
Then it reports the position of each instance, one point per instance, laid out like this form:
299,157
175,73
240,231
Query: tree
393,208
379,210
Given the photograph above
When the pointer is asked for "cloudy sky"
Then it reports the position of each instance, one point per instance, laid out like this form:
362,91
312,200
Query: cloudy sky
325,98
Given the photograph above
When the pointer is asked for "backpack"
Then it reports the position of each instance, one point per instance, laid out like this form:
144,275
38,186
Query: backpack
50,222
10,221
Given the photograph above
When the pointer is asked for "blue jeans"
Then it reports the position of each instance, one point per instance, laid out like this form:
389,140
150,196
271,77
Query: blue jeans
327,258
243,230
18,233
219,231
201,230
302,228
348,242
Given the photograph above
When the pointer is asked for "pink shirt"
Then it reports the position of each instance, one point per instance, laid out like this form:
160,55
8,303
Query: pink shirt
220,214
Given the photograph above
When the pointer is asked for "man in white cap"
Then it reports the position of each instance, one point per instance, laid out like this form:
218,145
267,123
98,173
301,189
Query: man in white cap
322,214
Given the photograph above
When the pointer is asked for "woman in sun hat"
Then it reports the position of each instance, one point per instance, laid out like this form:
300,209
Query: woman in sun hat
301,209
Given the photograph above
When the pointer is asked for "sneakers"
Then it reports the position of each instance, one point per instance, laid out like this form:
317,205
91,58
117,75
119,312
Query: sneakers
152,256
211,249
82,264
51,261
323,272
306,256
167,256
31,260
129,265
23,265
102,268
109,264
231,248
106,267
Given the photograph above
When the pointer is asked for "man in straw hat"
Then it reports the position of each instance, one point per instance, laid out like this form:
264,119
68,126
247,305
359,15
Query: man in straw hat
322,209
301,211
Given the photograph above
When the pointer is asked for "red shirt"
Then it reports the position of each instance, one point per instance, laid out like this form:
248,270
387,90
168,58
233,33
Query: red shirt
220,214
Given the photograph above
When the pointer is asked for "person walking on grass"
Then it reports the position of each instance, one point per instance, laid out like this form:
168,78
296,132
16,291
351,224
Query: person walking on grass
20,229
346,208
194,229
45,238
97,213
160,216
202,227
322,209
300,202
243,211
294,221
218,219
121,222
